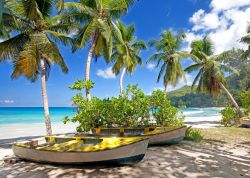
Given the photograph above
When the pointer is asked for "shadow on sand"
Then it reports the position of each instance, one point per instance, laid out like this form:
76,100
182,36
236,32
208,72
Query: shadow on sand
187,159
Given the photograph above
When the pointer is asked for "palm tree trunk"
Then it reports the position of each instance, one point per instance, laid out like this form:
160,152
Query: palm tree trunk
165,88
90,54
121,80
45,97
231,98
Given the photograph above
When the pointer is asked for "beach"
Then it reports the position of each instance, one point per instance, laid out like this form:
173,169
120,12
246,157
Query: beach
210,158
218,155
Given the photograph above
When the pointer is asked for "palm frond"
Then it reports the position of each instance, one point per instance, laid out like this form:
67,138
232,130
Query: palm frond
80,7
141,45
193,67
9,49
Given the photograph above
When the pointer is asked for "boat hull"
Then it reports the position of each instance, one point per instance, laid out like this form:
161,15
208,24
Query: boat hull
162,136
127,154
167,138
245,123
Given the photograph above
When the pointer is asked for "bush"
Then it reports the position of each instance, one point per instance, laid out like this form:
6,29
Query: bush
245,101
230,116
162,110
132,109
193,134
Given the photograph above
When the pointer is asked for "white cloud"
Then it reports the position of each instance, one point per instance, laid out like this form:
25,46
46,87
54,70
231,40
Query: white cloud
150,66
219,5
106,73
7,101
225,23
204,21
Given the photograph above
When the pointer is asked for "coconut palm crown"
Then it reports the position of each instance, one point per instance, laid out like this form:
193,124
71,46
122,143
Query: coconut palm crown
126,54
168,54
210,78
246,40
33,50
98,27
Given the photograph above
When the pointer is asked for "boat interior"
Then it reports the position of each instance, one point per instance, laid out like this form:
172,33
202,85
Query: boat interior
76,144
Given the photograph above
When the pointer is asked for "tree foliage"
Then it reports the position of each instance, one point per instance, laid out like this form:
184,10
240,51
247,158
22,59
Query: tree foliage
132,109
168,54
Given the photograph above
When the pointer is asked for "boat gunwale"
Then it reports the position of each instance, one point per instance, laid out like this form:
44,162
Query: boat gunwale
142,139
144,135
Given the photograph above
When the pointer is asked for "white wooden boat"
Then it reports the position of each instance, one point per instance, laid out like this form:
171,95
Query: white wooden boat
245,121
81,150
156,135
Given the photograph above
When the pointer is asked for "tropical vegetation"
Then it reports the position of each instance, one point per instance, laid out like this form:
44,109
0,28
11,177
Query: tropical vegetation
33,50
210,78
98,27
246,40
169,55
126,54
193,134
32,30
132,109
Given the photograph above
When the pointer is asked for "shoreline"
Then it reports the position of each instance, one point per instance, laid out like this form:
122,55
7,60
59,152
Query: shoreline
38,129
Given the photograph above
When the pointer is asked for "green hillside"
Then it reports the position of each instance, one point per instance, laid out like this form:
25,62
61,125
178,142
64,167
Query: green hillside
185,97
180,92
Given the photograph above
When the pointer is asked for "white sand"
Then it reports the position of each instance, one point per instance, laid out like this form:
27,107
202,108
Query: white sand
24,130
187,159
203,122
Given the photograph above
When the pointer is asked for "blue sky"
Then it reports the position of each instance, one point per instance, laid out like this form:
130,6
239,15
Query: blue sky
219,18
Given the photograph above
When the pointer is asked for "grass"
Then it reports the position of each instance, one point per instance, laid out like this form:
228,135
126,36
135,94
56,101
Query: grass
227,134
194,134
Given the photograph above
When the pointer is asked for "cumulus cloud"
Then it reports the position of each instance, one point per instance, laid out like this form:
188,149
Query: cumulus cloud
150,66
106,73
225,23
219,5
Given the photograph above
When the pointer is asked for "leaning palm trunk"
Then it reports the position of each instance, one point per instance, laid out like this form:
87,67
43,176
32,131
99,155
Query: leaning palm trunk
165,88
121,80
45,97
230,97
90,54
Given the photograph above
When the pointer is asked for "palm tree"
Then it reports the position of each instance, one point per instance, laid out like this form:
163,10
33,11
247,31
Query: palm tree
246,40
210,77
167,54
97,17
33,50
1,10
8,22
126,52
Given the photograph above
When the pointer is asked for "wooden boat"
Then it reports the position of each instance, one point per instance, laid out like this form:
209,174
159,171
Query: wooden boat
156,135
82,150
245,121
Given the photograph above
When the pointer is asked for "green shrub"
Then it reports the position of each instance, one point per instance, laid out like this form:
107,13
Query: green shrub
162,110
230,116
193,134
245,101
132,109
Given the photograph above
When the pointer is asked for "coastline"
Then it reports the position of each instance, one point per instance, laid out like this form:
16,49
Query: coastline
38,129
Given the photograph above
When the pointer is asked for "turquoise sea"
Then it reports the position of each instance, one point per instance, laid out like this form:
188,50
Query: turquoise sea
25,115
